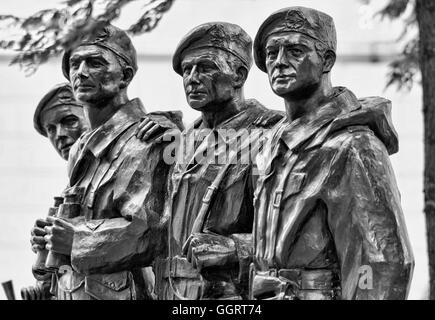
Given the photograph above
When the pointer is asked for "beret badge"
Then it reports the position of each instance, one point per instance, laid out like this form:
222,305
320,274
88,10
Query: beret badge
295,20
64,98
217,35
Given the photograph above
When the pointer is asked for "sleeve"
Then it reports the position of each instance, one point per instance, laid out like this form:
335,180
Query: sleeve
137,237
245,254
367,223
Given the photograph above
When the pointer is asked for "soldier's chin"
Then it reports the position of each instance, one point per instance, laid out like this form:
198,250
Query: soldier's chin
85,97
281,90
64,153
197,104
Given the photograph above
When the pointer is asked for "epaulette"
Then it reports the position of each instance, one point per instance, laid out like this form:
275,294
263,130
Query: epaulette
264,117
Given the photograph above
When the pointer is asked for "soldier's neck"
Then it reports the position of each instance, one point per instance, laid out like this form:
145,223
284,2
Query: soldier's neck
306,102
218,113
100,112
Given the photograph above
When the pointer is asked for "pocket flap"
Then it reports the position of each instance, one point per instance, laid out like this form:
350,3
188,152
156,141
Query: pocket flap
113,286
294,183
115,281
235,174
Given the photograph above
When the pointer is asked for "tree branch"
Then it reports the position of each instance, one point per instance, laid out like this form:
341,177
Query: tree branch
49,32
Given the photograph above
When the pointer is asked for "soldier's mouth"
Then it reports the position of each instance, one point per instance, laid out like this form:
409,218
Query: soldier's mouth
283,77
196,94
83,86
65,147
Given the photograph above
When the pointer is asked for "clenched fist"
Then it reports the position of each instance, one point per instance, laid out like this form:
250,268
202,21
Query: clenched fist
205,250
59,236
37,234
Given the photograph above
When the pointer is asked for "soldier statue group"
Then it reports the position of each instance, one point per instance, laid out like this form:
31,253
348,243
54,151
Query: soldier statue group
246,202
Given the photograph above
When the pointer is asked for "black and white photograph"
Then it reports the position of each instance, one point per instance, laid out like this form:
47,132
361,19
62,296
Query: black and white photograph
238,151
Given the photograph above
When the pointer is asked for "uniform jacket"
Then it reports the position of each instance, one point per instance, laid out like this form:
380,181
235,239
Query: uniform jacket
230,213
329,199
122,182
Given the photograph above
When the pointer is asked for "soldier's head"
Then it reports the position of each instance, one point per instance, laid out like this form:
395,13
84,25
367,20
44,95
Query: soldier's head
214,60
296,47
60,118
102,66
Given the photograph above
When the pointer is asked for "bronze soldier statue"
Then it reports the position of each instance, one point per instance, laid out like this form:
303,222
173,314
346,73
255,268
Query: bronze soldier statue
328,223
60,118
210,209
116,181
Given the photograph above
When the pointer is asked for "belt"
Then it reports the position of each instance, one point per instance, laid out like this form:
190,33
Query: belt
293,284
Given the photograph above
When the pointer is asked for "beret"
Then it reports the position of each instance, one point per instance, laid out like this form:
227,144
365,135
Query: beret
60,95
307,21
220,35
111,38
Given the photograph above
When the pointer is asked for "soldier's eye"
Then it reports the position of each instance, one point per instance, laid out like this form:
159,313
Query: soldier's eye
271,54
70,121
295,52
74,64
94,63
186,70
206,68
50,130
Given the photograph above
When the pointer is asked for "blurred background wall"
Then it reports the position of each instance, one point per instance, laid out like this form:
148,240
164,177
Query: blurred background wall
31,172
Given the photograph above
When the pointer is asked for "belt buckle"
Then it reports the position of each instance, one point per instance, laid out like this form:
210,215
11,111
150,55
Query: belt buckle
277,199
273,272
208,194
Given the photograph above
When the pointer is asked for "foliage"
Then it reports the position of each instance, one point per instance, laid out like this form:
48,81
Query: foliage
404,69
49,32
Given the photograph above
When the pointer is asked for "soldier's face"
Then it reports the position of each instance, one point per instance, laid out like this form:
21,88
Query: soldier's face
293,65
207,78
63,126
95,73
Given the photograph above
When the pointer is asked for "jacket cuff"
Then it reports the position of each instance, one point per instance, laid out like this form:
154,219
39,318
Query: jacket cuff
245,254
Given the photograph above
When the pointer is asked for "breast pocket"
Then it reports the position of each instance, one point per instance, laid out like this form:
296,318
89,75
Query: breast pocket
235,176
114,286
294,184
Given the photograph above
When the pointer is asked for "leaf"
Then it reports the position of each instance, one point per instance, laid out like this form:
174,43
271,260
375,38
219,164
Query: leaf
149,20
405,68
51,31
72,2
394,9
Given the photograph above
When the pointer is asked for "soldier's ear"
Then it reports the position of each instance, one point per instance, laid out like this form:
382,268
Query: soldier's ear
328,61
128,74
240,78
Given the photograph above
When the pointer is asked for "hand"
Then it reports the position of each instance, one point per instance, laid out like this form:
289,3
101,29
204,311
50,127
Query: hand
59,236
147,128
205,250
37,235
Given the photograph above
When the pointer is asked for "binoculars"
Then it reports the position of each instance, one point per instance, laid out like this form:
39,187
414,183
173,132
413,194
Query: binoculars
66,207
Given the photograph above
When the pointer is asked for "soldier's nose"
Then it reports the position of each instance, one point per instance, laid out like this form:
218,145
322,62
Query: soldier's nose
83,69
281,59
60,131
193,76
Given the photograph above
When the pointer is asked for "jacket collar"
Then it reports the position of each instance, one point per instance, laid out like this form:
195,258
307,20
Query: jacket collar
234,122
100,139
296,133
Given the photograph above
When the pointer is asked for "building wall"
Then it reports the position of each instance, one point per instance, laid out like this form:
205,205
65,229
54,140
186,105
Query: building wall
31,172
